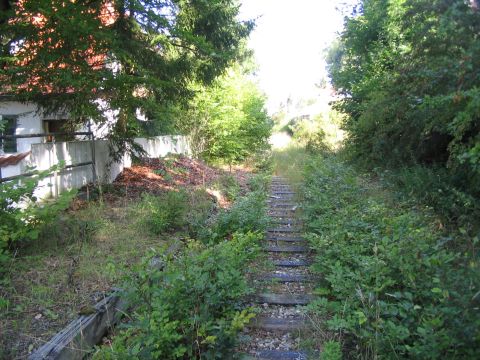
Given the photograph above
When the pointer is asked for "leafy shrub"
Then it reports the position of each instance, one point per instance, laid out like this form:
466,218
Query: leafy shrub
437,187
394,280
309,134
332,351
229,186
22,218
200,210
246,214
192,309
167,211
407,73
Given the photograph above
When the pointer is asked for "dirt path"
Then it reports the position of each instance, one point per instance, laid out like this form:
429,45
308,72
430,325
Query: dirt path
282,290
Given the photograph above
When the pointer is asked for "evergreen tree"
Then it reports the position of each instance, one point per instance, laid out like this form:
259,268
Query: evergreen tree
117,58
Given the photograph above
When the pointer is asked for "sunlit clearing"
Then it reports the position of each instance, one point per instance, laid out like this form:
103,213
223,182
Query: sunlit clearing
280,140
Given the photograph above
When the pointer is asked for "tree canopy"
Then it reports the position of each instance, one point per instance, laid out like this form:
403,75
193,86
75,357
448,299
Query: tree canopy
409,73
117,57
227,120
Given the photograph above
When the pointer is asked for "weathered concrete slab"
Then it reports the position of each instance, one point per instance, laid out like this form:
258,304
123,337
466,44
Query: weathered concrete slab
278,324
284,299
284,230
291,263
286,278
289,249
276,355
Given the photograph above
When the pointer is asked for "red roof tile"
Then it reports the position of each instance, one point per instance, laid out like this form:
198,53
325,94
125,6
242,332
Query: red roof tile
12,159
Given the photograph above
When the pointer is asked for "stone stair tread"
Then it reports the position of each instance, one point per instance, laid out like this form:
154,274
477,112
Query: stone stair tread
281,214
285,277
281,204
283,299
286,222
278,324
284,229
294,249
275,355
291,263
287,240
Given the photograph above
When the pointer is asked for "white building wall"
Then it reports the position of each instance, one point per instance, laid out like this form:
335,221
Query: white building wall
44,156
28,122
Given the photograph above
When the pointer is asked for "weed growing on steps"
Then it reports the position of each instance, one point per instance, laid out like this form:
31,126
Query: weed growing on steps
394,283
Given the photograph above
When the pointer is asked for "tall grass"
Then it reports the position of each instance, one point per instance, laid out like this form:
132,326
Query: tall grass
289,161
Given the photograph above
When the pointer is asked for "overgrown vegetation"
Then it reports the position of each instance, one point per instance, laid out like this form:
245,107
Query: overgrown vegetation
194,306
397,281
82,252
247,214
193,309
22,219
408,73
227,120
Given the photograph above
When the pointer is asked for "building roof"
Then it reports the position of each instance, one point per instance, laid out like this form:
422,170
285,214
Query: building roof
12,159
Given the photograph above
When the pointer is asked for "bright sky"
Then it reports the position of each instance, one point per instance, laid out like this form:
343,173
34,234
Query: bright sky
289,43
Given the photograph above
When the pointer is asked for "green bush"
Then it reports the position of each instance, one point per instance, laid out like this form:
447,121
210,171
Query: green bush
309,134
164,212
394,280
192,309
407,73
201,207
332,351
246,214
439,188
22,217
229,186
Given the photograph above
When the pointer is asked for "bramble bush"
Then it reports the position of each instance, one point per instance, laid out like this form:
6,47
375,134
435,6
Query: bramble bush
193,308
395,281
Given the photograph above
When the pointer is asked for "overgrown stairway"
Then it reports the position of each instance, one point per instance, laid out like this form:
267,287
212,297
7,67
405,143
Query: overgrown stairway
275,333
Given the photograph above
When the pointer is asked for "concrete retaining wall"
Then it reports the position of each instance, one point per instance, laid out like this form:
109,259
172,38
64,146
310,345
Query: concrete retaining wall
43,156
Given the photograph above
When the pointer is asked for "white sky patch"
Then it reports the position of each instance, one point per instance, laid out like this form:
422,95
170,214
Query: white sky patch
289,43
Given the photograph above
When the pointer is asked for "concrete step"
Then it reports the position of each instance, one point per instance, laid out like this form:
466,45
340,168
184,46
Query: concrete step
280,213
275,355
286,222
284,230
291,263
287,239
276,205
288,249
278,324
283,299
284,278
